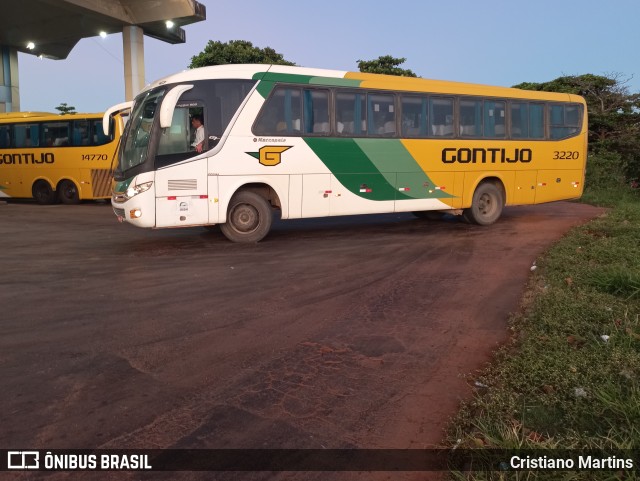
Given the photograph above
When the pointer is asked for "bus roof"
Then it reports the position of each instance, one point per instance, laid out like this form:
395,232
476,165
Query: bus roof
42,116
315,76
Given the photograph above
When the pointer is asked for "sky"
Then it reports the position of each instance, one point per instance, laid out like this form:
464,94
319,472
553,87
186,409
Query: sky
495,42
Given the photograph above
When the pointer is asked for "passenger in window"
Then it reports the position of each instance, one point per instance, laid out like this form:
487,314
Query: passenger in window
197,124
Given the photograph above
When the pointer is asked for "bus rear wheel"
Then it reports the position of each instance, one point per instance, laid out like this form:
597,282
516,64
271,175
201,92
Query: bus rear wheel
486,206
68,192
249,218
43,193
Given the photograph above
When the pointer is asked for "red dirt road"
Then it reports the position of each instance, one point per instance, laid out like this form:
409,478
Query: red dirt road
331,333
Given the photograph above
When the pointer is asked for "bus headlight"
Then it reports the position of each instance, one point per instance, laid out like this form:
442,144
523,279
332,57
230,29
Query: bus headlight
138,189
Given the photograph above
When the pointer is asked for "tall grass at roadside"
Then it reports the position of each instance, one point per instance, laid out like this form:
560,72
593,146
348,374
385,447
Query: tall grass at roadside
570,376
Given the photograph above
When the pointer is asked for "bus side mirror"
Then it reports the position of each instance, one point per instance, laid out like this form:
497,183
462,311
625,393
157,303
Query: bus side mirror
106,118
169,104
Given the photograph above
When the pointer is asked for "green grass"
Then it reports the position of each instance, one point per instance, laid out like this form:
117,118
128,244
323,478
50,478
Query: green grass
570,376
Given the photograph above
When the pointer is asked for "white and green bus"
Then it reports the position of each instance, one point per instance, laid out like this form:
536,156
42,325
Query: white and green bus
315,143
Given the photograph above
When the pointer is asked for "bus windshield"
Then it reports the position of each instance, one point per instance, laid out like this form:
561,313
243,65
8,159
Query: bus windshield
135,147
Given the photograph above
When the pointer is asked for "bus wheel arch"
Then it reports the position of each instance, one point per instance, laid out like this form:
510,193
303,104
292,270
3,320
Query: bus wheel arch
489,198
250,213
68,192
43,193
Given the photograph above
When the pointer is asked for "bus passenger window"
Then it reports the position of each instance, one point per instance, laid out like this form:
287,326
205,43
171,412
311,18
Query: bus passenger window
80,133
316,111
470,118
414,116
26,135
281,114
441,117
527,120
564,120
519,120
536,121
381,115
5,137
98,137
494,119
56,134
350,114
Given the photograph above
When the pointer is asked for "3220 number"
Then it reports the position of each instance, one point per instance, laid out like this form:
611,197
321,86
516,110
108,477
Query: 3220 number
566,154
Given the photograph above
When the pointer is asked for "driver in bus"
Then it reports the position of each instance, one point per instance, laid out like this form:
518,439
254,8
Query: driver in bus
196,123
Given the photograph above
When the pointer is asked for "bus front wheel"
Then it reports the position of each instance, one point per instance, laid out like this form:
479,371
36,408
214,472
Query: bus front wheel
68,192
486,206
249,218
43,193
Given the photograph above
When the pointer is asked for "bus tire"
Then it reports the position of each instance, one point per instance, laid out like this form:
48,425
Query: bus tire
486,205
68,192
43,193
249,218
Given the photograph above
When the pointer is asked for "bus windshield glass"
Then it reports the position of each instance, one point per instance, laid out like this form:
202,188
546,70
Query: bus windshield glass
135,146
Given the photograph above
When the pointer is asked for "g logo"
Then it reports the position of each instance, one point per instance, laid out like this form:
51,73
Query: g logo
271,155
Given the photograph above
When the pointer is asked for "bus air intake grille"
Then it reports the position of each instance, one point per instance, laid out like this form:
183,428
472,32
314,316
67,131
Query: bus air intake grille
101,182
183,184
118,212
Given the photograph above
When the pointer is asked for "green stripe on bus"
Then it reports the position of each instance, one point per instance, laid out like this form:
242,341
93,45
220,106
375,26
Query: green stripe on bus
395,162
269,79
375,169
354,169
335,82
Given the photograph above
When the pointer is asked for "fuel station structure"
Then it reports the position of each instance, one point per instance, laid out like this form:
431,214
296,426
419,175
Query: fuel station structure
52,28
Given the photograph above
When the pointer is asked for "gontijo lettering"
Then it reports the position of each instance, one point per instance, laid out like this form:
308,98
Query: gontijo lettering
28,158
486,156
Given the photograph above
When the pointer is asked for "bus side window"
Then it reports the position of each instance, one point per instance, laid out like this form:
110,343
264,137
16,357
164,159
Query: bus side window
97,134
179,137
470,118
316,111
536,121
26,135
414,116
80,133
281,114
494,119
350,113
5,137
564,120
519,120
56,134
381,115
441,117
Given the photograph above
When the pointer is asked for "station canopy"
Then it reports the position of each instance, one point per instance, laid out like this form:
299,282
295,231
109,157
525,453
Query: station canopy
51,28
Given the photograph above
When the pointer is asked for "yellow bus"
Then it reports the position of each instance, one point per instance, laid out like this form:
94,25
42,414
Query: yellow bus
313,143
52,157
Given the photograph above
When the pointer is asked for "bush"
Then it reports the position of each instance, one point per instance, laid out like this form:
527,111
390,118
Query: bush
605,170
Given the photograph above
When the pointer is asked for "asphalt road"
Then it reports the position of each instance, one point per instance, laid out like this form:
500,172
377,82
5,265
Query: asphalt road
331,333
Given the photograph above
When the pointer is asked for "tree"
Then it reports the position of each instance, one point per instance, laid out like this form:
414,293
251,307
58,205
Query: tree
63,108
236,51
614,114
385,64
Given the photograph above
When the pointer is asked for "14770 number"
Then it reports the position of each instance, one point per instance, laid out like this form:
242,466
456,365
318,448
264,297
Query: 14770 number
94,157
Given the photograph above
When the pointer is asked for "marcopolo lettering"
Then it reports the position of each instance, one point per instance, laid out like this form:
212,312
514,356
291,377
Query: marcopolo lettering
486,156
28,158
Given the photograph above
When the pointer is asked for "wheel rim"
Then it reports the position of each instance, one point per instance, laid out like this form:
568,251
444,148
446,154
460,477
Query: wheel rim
42,193
245,218
69,191
486,204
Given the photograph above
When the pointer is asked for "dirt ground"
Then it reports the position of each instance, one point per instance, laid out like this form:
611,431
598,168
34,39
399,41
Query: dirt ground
351,332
